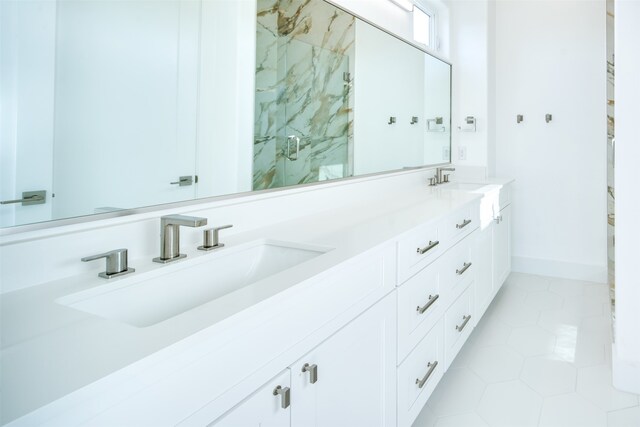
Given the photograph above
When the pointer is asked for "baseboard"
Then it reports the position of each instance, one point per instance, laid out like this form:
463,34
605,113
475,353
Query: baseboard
553,268
626,376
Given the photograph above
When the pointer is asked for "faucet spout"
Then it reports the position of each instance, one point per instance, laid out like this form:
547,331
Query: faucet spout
170,235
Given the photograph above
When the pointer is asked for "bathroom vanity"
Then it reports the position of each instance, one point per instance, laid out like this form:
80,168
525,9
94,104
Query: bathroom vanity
315,321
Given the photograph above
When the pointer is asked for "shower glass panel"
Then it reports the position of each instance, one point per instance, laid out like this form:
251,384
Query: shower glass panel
313,140
611,152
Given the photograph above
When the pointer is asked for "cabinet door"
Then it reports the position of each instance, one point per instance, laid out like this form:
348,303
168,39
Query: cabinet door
484,279
502,248
264,408
349,380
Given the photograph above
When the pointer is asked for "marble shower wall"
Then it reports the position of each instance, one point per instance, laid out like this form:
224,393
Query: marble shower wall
304,68
611,195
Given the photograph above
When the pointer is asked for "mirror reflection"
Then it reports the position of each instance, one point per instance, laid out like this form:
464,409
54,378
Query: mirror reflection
113,105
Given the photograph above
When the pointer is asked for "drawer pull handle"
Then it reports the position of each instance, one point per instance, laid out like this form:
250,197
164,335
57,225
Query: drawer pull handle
313,372
285,392
464,323
464,224
427,248
429,303
431,366
464,268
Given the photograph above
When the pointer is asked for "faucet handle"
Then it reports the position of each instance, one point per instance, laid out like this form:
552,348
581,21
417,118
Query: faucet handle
211,238
117,263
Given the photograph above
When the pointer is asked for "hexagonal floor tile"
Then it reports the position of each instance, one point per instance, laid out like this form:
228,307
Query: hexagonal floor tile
597,328
528,282
544,300
516,315
549,376
571,410
624,417
567,287
585,305
510,404
426,418
558,320
597,289
464,420
459,392
532,341
496,364
595,384
490,331
579,351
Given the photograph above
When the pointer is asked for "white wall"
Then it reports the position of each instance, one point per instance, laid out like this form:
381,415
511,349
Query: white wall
626,358
550,58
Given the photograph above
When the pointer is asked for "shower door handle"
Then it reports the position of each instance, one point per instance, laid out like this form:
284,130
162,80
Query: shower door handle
290,139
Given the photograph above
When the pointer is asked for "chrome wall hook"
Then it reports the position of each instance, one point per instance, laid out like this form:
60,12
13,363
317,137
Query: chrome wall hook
519,118
548,117
414,120
392,120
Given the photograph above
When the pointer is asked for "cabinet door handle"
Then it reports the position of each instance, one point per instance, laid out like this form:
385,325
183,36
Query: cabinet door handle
464,323
498,219
285,393
464,224
427,248
431,366
464,268
429,303
313,372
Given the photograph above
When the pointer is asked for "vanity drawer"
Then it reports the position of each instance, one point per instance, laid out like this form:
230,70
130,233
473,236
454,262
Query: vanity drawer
458,268
460,223
419,375
420,306
417,250
458,324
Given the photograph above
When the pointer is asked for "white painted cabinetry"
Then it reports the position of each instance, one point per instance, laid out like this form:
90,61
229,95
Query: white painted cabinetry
348,380
263,408
501,247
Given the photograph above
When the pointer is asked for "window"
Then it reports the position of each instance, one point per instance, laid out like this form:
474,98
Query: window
422,25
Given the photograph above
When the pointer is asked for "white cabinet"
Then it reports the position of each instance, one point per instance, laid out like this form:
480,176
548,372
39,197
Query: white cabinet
501,247
484,282
269,406
349,380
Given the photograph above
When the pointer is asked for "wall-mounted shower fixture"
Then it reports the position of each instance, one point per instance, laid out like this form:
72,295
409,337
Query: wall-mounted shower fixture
436,125
414,120
392,120
548,118
293,139
469,124
346,77
519,118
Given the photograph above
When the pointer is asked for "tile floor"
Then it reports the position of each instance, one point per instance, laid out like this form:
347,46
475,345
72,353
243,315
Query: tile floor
540,356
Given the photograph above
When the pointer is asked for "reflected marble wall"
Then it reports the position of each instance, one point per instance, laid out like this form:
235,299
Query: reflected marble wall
304,78
611,217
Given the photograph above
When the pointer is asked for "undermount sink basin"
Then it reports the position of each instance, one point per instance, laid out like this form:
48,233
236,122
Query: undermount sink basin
166,292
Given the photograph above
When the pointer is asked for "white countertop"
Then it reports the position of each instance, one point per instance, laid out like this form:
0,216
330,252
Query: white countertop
50,350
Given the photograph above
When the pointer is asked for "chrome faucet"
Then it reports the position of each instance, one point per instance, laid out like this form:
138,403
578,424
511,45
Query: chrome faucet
170,235
439,175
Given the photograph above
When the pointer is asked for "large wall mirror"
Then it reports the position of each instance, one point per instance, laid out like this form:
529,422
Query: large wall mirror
113,105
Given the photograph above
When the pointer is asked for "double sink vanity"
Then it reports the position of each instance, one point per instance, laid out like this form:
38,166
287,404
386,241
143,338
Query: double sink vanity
346,319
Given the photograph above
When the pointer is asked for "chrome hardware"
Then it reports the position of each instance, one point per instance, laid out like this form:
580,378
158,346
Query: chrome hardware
285,392
445,178
427,248
414,120
464,323
313,372
433,181
431,366
290,139
29,198
464,224
392,120
170,235
548,118
464,268
183,181
470,123
519,118
211,238
117,263
498,219
436,125
439,171
432,299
